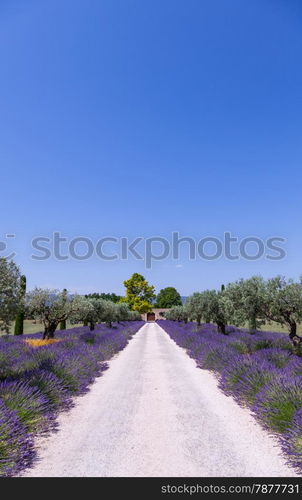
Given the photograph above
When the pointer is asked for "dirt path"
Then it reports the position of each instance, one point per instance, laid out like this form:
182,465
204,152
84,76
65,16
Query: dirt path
153,413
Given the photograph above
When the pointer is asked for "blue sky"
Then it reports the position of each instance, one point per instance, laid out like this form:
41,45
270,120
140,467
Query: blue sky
132,118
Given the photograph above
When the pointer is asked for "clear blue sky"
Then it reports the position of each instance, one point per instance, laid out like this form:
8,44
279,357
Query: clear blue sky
139,118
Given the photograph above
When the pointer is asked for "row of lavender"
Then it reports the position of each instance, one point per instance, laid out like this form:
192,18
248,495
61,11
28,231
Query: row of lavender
259,370
38,382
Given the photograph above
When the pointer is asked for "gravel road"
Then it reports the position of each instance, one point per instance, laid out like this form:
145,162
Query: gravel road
153,413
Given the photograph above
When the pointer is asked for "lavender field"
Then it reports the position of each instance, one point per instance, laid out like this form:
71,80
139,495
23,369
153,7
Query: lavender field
38,381
261,371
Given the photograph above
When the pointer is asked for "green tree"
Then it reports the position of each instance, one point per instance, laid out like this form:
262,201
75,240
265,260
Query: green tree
177,313
168,297
216,309
110,312
10,293
196,307
19,321
244,301
51,307
139,294
122,312
282,303
256,301
63,322
89,313
105,296
209,306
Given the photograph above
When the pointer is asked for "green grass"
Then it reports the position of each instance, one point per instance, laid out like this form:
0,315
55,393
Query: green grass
34,327
276,327
31,327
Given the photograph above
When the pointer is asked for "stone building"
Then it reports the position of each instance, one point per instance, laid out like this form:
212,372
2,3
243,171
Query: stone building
153,315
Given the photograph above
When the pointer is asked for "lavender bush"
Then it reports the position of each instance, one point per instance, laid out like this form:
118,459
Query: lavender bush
38,382
292,440
248,382
277,402
16,445
28,402
260,370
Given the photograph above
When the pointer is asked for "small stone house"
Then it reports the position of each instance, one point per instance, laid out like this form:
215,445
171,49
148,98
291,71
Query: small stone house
153,315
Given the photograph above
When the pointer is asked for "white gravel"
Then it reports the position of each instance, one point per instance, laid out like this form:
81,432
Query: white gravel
153,413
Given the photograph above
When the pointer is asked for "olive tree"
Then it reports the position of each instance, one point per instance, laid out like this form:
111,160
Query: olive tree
177,313
245,302
134,316
257,301
215,309
282,303
89,313
51,307
197,307
10,293
109,312
122,312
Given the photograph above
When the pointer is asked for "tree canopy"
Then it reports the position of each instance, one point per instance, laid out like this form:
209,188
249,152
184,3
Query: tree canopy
177,313
168,297
51,307
10,293
113,297
139,294
251,302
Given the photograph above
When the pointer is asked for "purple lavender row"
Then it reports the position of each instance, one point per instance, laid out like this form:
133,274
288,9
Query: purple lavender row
38,382
260,371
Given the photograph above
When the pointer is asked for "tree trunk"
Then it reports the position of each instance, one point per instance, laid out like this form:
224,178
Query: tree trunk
198,320
63,325
19,324
91,326
292,326
253,324
85,323
221,328
49,331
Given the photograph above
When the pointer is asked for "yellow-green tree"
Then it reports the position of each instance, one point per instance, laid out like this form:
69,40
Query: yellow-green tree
139,294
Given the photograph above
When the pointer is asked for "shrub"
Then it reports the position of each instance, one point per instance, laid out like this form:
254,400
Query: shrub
215,357
16,446
15,359
278,357
259,344
240,346
36,382
88,337
28,403
251,381
233,373
276,404
261,371
294,367
50,386
292,441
